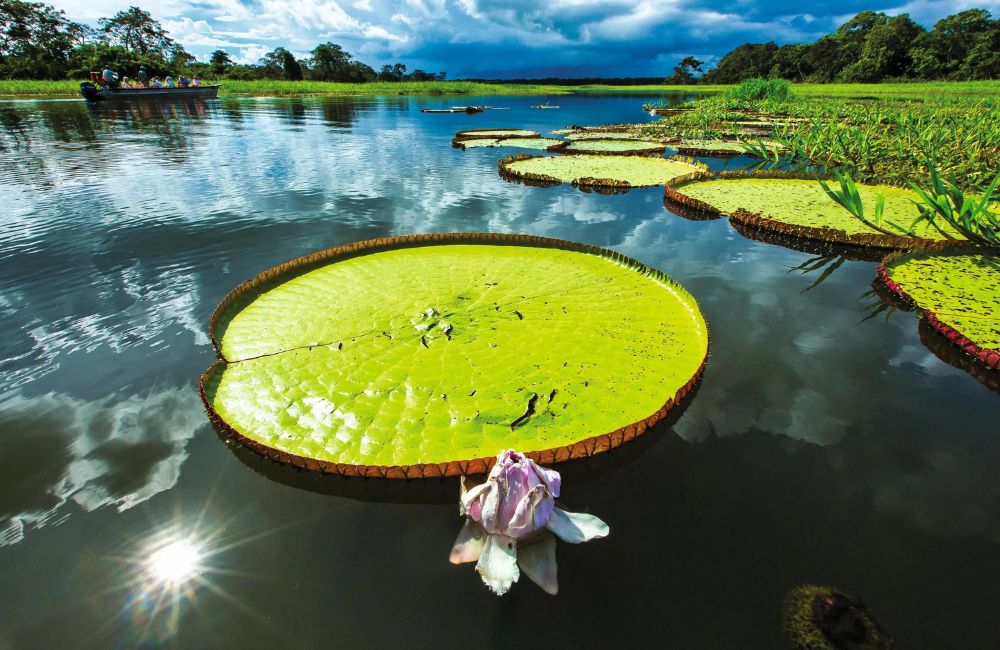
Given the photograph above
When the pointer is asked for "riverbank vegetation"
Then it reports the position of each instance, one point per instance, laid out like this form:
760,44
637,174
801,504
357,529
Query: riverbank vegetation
875,140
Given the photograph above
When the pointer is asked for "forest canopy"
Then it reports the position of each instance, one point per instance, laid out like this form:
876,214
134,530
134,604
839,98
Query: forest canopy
38,41
874,47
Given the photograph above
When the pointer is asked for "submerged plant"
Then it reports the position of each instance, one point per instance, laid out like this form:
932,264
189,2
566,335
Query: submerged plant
512,521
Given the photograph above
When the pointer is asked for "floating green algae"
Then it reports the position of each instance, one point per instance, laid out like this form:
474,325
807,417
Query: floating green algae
613,145
521,143
803,203
961,291
396,353
583,169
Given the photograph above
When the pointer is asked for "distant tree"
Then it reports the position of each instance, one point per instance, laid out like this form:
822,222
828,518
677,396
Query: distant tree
746,61
983,59
179,57
684,72
135,30
220,60
36,40
279,63
942,52
885,53
789,62
291,67
330,63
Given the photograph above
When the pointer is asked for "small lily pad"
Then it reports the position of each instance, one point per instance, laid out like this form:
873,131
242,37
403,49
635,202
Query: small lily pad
424,355
596,171
959,292
716,148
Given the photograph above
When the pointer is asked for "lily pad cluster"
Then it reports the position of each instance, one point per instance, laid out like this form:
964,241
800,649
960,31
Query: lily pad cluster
422,355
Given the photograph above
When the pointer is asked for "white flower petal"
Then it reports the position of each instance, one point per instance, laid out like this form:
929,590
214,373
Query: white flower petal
469,543
498,563
490,507
576,527
538,561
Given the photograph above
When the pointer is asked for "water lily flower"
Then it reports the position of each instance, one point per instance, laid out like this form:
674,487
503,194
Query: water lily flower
510,522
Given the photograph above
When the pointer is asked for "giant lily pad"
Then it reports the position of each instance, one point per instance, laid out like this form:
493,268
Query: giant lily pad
425,355
611,146
716,148
521,143
494,134
959,293
796,205
596,171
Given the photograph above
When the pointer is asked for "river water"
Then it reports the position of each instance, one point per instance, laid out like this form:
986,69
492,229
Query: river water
822,447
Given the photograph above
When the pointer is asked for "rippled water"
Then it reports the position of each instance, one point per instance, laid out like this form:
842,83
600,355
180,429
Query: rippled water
822,447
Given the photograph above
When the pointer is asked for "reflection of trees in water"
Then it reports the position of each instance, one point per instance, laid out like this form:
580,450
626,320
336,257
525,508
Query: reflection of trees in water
338,112
15,136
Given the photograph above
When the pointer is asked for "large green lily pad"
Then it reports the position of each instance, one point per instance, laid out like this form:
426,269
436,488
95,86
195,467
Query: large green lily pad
613,146
798,206
521,143
426,355
596,171
959,293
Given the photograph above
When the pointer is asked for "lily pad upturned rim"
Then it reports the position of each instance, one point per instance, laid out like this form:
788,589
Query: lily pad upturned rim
474,134
824,234
586,182
986,356
583,448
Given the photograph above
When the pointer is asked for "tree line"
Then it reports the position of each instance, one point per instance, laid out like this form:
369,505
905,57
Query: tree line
38,41
871,47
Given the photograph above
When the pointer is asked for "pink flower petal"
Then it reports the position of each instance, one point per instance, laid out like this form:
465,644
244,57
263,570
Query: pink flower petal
469,543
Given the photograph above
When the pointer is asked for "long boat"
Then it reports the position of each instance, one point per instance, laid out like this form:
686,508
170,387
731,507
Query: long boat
94,94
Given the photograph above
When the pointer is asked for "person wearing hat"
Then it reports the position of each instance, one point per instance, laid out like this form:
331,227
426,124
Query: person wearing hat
156,83
143,75
170,82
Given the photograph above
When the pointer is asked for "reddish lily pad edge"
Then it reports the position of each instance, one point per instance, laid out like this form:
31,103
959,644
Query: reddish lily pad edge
989,358
581,449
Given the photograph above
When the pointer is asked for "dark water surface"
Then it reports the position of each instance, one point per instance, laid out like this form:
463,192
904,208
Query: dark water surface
820,448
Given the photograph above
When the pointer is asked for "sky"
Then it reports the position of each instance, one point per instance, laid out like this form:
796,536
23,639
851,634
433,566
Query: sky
502,39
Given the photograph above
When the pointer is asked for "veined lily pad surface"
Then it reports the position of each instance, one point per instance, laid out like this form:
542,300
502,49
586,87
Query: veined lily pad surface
599,135
959,293
616,145
801,207
583,169
423,356
521,143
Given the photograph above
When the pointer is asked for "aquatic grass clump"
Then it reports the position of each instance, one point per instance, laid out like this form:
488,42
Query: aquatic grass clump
958,292
795,204
423,355
584,170
758,89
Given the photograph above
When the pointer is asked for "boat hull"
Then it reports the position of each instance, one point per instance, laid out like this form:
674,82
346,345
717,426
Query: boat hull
144,94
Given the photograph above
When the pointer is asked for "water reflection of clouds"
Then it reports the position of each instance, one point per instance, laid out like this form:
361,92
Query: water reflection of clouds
61,453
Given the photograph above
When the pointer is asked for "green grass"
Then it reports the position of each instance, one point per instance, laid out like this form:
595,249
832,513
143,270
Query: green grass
69,87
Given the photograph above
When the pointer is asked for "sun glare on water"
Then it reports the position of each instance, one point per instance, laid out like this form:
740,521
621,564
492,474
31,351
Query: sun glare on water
175,563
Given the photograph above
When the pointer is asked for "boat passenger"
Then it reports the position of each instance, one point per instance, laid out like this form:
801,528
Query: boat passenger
143,76
156,83
196,81
170,82
126,83
109,77
183,82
